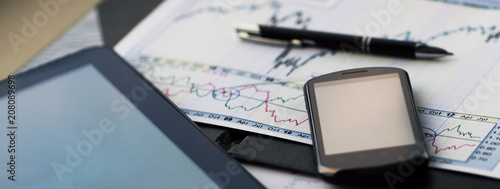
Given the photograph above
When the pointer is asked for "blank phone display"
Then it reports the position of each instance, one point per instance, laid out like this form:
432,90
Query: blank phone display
363,113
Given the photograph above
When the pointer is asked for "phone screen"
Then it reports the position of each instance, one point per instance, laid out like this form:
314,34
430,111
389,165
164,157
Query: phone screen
363,113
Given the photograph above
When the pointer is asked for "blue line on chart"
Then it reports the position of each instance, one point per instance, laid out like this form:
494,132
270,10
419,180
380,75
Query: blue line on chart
481,30
226,8
295,62
485,4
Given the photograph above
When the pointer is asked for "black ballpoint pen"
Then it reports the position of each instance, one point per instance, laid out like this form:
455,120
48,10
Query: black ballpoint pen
350,43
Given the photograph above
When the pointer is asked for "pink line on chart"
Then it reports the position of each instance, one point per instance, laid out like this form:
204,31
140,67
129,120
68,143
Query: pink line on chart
453,147
266,104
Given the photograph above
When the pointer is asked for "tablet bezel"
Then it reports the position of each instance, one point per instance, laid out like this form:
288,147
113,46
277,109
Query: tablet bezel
151,102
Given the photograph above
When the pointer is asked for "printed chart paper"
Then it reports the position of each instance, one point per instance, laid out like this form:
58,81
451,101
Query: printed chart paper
189,49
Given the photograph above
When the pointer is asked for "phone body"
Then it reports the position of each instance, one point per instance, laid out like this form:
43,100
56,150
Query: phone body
364,122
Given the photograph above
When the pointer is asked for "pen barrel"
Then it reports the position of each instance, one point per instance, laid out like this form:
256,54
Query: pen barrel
342,42
392,47
314,38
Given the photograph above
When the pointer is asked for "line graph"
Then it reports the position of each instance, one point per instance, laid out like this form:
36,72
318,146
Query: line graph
439,144
493,36
241,93
230,94
301,19
195,83
298,15
431,136
457,129
481,30
223,8
216,78
485,4
455,136
293,62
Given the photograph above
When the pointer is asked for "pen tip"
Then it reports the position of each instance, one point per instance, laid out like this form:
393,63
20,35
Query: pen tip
429,52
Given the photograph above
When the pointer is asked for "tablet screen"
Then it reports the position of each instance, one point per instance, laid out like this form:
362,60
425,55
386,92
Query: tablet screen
76,130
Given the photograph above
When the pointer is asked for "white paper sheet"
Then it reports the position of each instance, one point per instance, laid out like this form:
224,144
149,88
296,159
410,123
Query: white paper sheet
190,50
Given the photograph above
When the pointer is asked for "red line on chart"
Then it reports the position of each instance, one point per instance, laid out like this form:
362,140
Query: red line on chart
274,111
453,147
194,88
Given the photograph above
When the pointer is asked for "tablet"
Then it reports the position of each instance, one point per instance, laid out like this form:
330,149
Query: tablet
89,120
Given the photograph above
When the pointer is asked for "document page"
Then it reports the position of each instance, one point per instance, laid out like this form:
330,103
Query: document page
189,49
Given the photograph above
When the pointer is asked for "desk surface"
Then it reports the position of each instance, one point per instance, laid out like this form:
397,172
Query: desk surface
118,17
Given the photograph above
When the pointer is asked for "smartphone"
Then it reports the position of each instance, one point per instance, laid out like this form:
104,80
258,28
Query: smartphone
364,122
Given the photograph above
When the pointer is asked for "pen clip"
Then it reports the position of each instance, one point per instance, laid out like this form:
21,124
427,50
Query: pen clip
269,41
